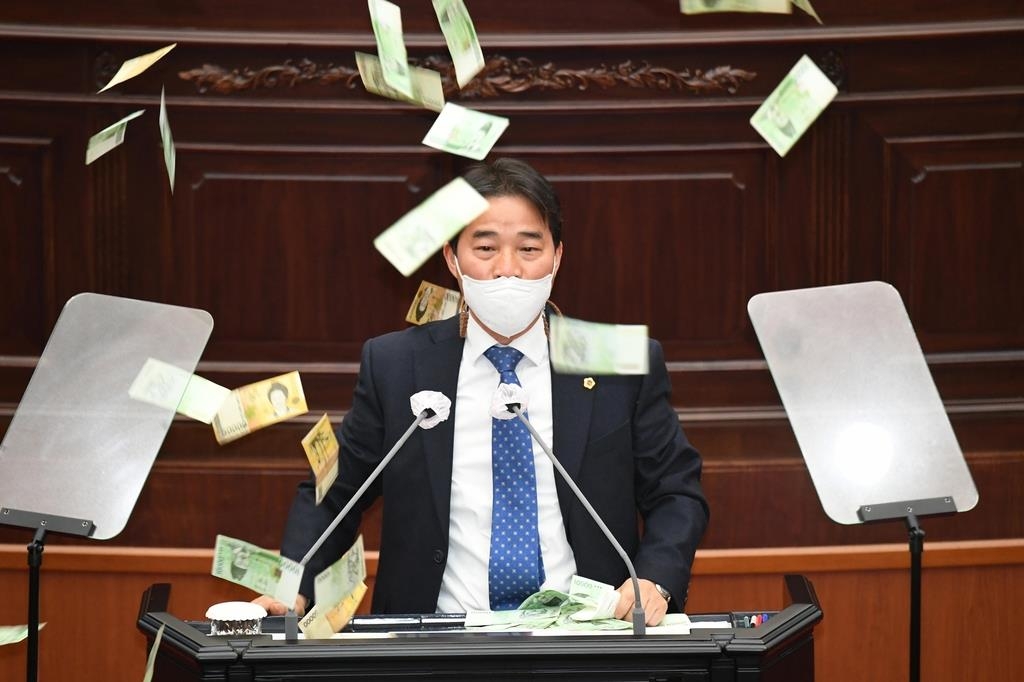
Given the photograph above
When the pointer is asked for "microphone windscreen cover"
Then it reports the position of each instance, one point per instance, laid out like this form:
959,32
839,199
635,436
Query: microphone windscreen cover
503,396
431,400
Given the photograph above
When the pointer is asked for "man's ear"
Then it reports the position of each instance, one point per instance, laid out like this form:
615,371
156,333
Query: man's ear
449,259
558,261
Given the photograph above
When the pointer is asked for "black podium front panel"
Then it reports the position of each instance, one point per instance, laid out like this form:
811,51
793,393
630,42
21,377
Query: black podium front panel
780,650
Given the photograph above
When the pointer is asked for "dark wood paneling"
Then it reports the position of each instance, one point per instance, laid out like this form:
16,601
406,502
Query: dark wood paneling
278,246
26,230
636,249
676,213
957,238
531,16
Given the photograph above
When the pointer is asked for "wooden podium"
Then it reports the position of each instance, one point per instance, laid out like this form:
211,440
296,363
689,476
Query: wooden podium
780,650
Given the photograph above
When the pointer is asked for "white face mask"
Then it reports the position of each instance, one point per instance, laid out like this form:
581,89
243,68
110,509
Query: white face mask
506,305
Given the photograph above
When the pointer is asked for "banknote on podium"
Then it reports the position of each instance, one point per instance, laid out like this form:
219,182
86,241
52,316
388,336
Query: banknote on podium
321,446
433,302
462,131
109,138
460,35
598,599
417,235
133,67
337,581
580,347
257,405
705,6
258,569
793,106
589,605
386,18
427,90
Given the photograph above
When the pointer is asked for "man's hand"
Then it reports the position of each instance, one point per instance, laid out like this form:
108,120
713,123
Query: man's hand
655,606
277,608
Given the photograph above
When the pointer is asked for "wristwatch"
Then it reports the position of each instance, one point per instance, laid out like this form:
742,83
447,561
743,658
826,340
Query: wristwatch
663,592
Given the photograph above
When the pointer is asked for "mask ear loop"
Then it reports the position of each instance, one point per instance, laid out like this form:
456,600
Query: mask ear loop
463,318
547,325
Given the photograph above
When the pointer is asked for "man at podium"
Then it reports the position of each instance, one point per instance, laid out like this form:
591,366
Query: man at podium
475,516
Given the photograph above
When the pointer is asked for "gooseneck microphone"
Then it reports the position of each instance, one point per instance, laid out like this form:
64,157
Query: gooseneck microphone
431,408
639,619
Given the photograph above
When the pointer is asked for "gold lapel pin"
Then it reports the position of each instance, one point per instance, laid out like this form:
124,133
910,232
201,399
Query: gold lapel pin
589,383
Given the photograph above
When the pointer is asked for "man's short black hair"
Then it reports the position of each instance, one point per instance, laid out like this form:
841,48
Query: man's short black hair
514,178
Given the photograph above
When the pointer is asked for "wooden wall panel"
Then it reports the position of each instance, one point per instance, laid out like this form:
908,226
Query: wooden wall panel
957,238
27,233
316,217
676,213
653,219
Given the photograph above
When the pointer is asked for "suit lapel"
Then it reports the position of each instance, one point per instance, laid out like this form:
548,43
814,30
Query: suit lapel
436,367
571,406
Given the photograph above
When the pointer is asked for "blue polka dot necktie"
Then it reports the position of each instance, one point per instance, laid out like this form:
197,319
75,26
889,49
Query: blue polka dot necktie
516,568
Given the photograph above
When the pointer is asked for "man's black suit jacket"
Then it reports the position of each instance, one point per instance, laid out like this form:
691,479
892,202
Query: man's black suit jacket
620,441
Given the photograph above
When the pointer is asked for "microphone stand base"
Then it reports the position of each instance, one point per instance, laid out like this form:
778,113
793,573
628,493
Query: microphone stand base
291,626
639,622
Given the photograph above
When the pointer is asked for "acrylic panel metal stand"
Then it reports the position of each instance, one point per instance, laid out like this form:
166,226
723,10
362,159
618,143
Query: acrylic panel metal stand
79,447
867,416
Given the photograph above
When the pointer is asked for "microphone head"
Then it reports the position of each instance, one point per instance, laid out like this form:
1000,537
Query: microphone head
433,404
505,396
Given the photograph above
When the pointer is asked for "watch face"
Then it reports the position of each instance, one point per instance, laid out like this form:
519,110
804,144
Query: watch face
664,593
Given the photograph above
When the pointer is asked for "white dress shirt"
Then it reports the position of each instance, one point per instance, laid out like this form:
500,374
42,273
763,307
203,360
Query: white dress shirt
465,583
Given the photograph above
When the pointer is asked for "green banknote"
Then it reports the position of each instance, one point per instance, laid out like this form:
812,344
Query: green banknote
12,634
427,91
590,605
172,388
167,141
598,600
417,235
460,35
571,623
579,347
386,18
133,67
516,619
109,138
462,131
337,581
258,569
705,6
793,106
339,588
